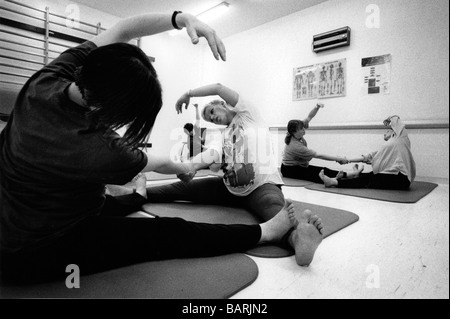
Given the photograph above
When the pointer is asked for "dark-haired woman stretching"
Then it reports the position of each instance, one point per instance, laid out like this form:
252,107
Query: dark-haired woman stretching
59,150
297,155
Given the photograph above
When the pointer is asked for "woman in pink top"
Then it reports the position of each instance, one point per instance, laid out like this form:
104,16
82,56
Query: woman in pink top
393,165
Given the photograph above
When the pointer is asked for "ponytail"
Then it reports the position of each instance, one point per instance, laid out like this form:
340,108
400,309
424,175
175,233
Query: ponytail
288,138
292,127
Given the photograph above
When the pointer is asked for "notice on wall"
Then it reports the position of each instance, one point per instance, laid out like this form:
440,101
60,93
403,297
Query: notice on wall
320,81
305,83
376,74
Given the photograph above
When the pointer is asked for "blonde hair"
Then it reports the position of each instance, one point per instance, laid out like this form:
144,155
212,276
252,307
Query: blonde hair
212,104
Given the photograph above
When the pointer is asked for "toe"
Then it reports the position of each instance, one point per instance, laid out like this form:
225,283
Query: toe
313,219
307,214
288,202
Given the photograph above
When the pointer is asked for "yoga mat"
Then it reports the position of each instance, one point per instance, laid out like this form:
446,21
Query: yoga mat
333,220
153,176
417,191
292,182
200,278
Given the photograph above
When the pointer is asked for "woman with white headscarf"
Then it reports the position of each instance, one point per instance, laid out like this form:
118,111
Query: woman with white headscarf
393,165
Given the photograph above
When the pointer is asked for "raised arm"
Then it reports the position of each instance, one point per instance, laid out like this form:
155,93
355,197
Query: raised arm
228,95
153,23
312,114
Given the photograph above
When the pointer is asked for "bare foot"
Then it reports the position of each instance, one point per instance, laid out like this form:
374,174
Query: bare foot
306,237
316,221
358,169
297,217
340,175
273,230
327,181
141,184
306,217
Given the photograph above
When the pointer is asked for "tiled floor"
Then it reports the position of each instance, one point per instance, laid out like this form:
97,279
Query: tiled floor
393,251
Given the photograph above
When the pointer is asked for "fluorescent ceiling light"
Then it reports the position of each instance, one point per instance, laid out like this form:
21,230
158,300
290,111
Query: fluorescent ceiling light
208,15
214,12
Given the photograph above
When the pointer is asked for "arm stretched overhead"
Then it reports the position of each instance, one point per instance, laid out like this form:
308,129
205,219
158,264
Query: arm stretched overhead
230,96
153,23
312,114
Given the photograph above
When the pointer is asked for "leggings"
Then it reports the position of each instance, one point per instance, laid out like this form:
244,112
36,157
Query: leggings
377,181
265,201
110,240
310,173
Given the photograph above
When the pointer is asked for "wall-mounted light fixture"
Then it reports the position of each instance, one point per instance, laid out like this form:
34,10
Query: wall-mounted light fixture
332,39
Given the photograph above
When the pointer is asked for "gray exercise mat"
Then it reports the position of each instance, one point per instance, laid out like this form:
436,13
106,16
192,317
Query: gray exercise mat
333,220
292,182
200,278
417,191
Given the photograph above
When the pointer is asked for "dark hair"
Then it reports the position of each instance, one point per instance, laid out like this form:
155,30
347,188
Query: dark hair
292,127
189,127
119,81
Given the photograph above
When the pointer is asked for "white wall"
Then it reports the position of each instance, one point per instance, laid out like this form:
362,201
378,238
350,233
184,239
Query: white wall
260,63
178,64
415,32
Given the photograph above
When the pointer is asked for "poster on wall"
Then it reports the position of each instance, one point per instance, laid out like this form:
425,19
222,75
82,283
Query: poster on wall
305,83
320,81
376,74
332,79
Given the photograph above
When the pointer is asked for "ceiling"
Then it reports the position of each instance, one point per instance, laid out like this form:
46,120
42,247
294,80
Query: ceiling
242,14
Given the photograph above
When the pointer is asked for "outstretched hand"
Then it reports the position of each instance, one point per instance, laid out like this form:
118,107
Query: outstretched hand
186,177
189,173
196,29
343,161
182,101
